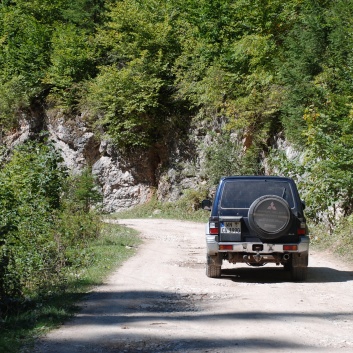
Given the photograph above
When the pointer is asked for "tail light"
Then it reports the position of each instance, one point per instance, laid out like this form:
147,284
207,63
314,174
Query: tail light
226,247
302,229
290,247
214,228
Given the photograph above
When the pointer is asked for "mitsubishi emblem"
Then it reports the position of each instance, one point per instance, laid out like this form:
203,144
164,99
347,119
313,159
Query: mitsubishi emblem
272,207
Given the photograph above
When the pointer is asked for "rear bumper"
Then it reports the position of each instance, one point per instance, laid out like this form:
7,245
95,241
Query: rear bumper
247,247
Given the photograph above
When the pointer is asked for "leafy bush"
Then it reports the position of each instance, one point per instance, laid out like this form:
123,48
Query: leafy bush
226,156
338,240
15,97
33,182
125,99
44,227
23,60
81,193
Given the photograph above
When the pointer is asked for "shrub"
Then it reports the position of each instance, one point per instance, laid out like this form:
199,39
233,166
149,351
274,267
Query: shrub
45,225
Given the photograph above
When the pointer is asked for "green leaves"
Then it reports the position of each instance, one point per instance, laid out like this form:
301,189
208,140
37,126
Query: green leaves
81,193
15,97
46,48
130,91
72,61
23,59
126,99
42,221
24,46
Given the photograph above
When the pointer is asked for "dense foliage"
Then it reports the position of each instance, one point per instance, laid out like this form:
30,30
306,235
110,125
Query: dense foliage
45,223
141,68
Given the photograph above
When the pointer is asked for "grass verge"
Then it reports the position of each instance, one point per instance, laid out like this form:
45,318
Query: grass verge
110,250
339,241
182,210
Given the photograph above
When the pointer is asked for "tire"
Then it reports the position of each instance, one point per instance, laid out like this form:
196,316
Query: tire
213,266
298,266
213,271
270,217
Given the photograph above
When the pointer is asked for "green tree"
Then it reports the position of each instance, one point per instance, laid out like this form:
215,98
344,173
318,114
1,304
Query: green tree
131,96
303,54
44,223
318,106
32,183
46,47
72,61
23,60
227,67
81,193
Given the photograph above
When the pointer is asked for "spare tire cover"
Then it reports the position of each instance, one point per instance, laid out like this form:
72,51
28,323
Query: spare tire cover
270,216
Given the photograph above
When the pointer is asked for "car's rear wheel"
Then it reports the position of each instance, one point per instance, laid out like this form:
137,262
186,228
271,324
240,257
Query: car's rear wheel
213,266
298,266
213,271
270,217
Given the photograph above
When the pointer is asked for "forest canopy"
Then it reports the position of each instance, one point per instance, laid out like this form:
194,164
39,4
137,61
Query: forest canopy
142,67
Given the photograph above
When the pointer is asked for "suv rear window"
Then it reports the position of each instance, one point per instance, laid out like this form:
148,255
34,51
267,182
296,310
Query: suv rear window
242,193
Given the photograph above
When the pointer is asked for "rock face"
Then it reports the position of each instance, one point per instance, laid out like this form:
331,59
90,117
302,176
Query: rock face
130,178
76,143
125,181
120,188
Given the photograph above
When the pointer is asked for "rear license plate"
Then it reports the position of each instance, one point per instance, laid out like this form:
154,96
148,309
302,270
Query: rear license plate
231,227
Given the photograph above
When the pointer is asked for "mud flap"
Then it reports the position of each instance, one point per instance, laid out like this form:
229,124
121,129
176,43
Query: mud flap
214,260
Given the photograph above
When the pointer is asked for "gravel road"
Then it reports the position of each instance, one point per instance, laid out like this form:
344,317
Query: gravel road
161,301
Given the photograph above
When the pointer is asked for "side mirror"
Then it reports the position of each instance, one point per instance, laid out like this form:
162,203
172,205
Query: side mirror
303,204
206,205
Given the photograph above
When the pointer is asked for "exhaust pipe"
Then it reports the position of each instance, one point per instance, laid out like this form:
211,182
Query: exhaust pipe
286,257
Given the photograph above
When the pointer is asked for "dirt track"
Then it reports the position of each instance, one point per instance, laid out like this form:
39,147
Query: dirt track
161,301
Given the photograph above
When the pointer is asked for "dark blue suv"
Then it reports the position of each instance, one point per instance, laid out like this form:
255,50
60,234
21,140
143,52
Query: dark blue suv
257,220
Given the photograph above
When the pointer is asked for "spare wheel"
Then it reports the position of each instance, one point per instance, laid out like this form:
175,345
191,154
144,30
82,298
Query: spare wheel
270,217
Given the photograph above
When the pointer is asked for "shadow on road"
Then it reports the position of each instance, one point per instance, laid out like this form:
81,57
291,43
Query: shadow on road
279,275
145,321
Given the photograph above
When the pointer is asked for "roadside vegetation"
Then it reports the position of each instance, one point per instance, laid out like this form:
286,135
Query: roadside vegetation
186,208
338,242
21,324
53,244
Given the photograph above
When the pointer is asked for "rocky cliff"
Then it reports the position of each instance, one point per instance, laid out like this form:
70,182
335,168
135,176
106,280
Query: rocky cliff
126,178
131,177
